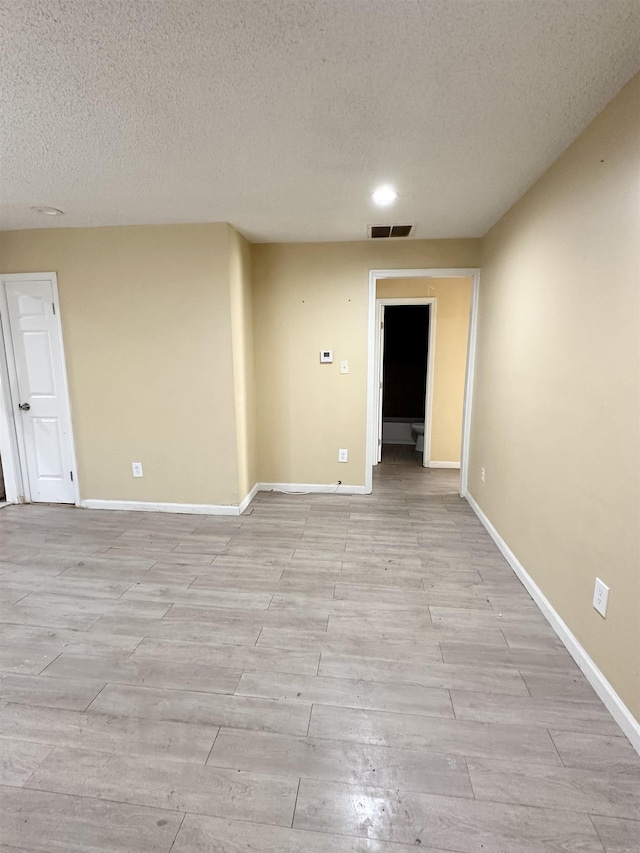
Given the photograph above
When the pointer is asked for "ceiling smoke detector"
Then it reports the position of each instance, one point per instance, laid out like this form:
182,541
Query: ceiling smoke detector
381,232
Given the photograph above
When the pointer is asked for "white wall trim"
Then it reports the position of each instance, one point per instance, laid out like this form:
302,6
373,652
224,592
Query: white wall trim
374,276
148,506
244,503
614,704
436,272
11,468
222,509
320,488
435,464
370,450
468,386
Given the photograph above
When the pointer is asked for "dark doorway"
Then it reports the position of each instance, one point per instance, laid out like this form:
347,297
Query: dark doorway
406,336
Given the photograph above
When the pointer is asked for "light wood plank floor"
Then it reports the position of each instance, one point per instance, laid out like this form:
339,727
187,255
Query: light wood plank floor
324,673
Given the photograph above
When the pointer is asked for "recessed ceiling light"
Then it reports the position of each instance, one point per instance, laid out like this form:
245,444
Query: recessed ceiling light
384,196
48,211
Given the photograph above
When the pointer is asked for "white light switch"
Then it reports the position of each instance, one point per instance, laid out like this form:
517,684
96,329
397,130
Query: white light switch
344,366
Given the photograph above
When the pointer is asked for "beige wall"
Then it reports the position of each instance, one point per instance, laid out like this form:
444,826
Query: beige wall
453,304
240,284
556,409
147,333
314,296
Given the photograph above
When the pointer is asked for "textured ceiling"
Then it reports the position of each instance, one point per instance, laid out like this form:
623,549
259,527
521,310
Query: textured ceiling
281,116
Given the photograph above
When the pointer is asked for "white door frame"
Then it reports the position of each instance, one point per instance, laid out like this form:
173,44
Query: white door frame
430,344
11,441
371,441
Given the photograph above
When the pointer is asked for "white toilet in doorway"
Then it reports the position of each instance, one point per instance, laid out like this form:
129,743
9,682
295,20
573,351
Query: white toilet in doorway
417,431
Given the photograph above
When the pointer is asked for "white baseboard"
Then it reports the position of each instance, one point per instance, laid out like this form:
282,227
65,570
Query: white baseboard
614,704
147,506
221,509
244,503
320,488
444,464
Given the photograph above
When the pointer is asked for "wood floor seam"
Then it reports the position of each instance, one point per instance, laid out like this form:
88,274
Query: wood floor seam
177,831
104,686
293,816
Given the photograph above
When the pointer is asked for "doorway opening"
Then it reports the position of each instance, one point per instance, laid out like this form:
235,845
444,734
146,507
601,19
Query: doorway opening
36,440
405,366
405,376
450,297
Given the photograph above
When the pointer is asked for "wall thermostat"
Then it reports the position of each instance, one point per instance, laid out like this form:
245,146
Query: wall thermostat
326,356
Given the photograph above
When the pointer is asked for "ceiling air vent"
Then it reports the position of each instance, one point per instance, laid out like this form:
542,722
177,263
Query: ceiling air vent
377,232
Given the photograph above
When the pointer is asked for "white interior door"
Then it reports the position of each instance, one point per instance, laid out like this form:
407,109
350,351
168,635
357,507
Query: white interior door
380,381
39,396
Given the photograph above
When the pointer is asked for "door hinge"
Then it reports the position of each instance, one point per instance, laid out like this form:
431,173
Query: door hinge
71,475
53,305
379,442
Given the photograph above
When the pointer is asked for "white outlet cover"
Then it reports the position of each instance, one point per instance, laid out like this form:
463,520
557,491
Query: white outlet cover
601,597
136,467
343,455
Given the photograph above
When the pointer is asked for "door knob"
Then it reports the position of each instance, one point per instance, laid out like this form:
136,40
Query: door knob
24,406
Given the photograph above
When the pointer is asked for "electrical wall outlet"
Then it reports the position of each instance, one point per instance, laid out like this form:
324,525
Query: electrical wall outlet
343,455
482,475
136,467
601,597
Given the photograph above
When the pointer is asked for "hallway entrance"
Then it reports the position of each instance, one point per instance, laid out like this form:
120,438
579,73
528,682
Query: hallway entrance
421,348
